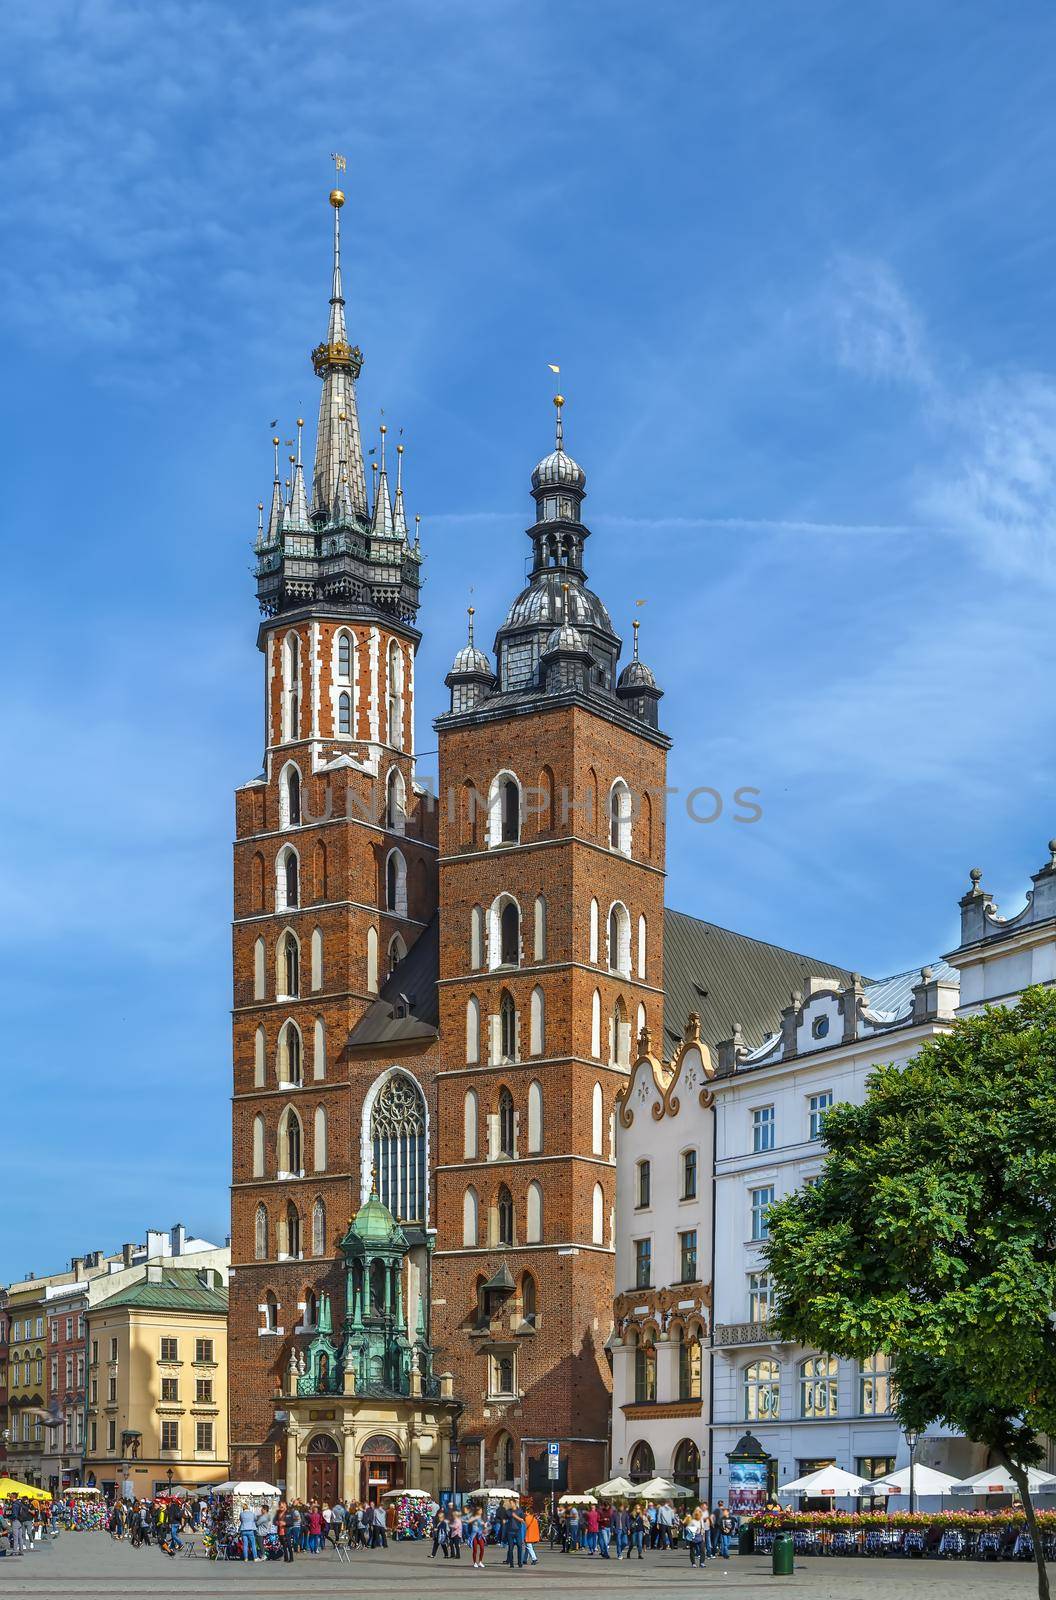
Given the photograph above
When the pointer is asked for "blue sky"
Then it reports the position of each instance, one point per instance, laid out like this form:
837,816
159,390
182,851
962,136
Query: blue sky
796,264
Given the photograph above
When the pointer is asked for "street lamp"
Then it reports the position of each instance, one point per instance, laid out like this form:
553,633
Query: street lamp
912,1436
453,1454
168,1474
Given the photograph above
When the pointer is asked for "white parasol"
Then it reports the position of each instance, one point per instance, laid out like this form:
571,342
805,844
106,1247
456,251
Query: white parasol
830,1482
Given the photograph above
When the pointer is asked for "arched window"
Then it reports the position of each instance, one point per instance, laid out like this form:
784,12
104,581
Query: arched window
394,699
537,1024
595,1024
344,713
642,1464
535,1117
396,883
644,1373
506,1122
504,810
619,943
344,657
397,951
593,931
469,1125
317,958
258,882
319,1140
689,1359
395,801
620,817
319,1049
476,938
372,960
259,960
639,1027
472,1030
291,666
686,1465
507,1028
875,1390
397,1135
290,1143
534,1214
504,1216
529,1300
539,951
597,1120
509,935
293,1232
288,892
819,1387
311,1309
260,1234
258,1147
290,1063
318,1229
620,1042
469,1219
762,1391
259,1058
597,1215
271,1313
504,1459
641,946
290,965
290,797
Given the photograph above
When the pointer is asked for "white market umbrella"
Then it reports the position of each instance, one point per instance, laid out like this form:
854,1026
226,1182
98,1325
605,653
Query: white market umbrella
614,1489
407,1494
998,1480
577,1500
828,1481
925,1481
245,1486
662,1489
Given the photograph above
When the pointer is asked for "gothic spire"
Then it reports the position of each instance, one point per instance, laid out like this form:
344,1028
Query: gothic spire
338,365
275,514
382,522
297,516
399,515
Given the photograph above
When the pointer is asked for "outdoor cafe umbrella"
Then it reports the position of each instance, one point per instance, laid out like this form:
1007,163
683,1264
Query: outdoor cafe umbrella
247,1487
998,1480
10,1486
615,1489
828,1482
577,1500
925,1481
663,1489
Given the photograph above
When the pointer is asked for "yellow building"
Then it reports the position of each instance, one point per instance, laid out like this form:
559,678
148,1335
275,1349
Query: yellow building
26,1378
157,1382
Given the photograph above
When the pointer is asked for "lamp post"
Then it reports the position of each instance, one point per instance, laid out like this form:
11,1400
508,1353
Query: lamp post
168,1474
912,1436
453,1454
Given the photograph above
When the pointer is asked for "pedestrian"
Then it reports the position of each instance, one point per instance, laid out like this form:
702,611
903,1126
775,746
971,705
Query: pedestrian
378,1537
282,1529
621,1531
531,1536
725,1526
15,1541
440,1532
294,1523
591,1523
665,1524
639,1530
707,1548
604,1526
692,1529
247,1528
572,1528
337,1522
477,1540
454,1536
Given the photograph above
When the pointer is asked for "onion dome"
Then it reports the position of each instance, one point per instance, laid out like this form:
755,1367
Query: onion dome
471,676
470,660
565,640
637,688
635,676
558,471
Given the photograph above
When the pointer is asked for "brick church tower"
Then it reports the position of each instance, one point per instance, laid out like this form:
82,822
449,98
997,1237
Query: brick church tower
335,1040
552,772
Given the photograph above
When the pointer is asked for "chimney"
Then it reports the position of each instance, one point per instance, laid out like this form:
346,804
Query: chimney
178,1239
76,1266
154,1272
127,1252
157,1243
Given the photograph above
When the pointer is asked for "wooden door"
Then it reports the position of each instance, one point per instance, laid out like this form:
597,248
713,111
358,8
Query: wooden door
322,1478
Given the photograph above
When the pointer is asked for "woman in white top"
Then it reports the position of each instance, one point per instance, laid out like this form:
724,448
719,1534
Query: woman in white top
693,1534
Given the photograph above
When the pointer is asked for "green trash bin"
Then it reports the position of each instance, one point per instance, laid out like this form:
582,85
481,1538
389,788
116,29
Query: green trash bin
746,1539
783,1548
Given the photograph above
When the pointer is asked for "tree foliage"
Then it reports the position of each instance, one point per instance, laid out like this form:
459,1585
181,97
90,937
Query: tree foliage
931,1233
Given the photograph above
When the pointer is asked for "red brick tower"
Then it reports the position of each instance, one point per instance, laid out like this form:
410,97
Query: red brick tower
551,911
335,884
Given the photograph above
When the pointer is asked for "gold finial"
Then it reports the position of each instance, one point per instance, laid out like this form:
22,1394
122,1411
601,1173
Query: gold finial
260,505
399,449
559,401
337,199
300,422
384,430
275,439
470,612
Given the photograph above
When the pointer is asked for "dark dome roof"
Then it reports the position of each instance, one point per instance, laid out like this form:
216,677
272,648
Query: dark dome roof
470,660
565,638
544,601
635,675
558,471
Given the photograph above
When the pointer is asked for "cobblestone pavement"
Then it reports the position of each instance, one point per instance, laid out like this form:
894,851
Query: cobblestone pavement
92,1565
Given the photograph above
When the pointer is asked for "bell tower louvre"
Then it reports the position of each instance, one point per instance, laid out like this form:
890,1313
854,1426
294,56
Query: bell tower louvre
335,1049
551,890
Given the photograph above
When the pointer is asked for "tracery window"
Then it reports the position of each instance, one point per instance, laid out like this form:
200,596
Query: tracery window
397,1136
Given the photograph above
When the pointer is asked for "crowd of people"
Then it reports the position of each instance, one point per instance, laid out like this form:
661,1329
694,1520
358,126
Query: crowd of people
623,1530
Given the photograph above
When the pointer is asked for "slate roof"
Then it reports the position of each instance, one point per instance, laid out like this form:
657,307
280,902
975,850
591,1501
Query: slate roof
180,1289
893,997
727,977
415,978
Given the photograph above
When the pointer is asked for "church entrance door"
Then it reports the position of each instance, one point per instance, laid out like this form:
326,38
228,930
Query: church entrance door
322,1469
381,1468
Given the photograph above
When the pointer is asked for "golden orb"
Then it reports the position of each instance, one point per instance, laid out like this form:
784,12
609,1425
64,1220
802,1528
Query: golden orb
337,199
300,422
559,399
399,449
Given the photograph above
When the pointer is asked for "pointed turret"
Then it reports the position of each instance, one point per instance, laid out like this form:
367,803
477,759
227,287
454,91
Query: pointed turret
399,515
381,523
297,517
274,533
338,364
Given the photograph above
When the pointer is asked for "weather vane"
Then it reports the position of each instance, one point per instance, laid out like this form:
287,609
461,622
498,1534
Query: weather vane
340,163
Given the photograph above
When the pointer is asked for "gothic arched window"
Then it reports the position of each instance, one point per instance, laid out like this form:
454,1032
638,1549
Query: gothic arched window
293,1231
291,878
507,1028
506,1121
293,797
318,1229
344,657
344,713
261,1234
505,1216
397,1137
291,956
509,934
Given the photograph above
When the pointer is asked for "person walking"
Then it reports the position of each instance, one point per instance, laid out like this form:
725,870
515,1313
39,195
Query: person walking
247,1528
378,1539
621,1531
454,1533
532,1536
725,1526
692,1526
283,1530
639,1531
513,1534
440,1535
591,1523
665,1523
315,1528
337,1522
15,1542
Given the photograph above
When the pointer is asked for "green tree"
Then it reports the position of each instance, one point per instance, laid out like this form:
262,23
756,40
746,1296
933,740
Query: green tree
931,1235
